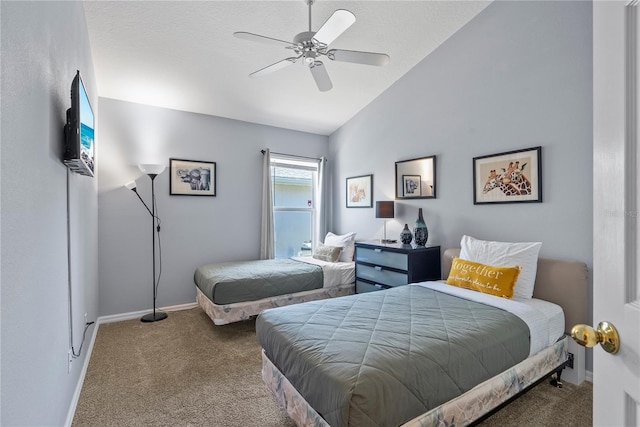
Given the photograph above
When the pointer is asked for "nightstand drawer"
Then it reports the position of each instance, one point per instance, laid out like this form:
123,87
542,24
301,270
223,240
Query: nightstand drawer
380,275
383,258
362,287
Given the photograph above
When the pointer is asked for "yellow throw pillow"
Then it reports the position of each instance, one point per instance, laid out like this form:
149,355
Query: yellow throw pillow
498,281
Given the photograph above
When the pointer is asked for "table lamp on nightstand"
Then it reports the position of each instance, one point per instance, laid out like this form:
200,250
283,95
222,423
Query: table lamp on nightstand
385,210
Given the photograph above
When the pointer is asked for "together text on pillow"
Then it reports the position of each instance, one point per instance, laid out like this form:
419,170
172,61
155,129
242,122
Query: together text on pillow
488,279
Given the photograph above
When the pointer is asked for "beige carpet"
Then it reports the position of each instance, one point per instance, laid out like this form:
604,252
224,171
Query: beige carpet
185,371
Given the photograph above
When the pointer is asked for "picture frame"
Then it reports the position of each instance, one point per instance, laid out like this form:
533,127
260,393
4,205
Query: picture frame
422,171
192,178
411,186
509,177
360,191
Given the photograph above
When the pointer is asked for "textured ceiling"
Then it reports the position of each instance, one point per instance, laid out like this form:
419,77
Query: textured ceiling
183,55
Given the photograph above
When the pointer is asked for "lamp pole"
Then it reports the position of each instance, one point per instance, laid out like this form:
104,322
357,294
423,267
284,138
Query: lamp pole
156,315
152,171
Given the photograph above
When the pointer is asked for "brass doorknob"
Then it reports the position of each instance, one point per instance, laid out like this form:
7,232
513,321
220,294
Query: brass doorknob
606,335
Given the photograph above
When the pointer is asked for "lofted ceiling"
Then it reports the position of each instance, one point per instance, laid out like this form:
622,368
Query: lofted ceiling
183,55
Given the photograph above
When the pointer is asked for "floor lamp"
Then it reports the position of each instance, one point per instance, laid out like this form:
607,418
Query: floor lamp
152,171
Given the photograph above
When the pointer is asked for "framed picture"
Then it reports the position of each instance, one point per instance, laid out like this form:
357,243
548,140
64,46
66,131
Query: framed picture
411,186
192,178
514,176
416,178
359,189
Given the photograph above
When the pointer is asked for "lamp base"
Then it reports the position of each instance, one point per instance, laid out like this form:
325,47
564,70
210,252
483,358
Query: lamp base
154,317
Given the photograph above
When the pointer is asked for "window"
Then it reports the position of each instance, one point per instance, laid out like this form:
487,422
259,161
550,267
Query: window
295,183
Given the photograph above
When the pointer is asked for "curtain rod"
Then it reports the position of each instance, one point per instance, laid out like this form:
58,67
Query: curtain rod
292,155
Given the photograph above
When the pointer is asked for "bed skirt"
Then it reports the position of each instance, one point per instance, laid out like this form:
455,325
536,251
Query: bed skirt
461,410
229,313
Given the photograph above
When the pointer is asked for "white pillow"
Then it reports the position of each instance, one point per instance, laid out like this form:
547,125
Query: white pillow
347,241
504,254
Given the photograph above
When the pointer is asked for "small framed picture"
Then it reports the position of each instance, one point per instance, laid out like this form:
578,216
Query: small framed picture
510,177
359,191
192,178
411,186
416,178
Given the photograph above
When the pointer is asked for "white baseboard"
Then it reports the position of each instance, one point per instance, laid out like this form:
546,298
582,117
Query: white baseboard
108,319
136,314
589,376
76,394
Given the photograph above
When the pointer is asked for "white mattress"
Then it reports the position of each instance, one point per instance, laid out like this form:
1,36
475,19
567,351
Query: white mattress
545,319
334,273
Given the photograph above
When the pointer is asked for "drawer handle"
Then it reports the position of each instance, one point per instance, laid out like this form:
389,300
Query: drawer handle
377,250
377,268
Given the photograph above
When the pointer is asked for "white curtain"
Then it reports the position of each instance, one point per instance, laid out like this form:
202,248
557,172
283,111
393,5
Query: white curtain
267,240
322,204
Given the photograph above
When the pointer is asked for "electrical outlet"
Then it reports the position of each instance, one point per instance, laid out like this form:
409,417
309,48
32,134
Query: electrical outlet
70,356
570,361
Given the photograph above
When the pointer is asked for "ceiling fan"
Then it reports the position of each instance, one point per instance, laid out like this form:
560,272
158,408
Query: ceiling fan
310,46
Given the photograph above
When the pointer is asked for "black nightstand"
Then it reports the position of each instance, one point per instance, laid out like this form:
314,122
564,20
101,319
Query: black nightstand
381,266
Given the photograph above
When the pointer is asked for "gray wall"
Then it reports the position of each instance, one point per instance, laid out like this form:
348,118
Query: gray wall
519,75
43,44
195,230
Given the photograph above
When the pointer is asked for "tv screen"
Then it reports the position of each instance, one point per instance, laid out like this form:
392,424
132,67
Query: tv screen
80,150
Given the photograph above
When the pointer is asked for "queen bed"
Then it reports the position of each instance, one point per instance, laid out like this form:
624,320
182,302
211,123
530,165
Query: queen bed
419,355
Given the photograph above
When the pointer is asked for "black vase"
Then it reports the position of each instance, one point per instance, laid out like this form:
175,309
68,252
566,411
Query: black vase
421,233
405,235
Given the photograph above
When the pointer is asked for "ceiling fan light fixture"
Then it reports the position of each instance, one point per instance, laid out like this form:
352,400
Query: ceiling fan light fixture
310,56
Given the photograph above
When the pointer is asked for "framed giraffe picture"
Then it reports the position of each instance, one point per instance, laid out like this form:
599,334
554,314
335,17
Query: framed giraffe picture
510,177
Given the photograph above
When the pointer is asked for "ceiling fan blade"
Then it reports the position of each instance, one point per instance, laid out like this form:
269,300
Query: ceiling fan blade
273,67
321,76
334,26
358,57
262,39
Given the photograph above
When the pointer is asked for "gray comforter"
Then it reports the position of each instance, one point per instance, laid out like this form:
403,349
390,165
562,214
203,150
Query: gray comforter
382,358
230,282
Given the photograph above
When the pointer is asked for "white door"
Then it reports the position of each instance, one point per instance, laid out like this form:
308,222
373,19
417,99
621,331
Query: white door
616,105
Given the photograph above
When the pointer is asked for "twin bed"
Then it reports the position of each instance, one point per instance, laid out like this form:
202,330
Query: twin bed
420,355
234,291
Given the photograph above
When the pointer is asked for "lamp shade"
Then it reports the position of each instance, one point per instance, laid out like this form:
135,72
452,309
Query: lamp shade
131,185
151,169
384,209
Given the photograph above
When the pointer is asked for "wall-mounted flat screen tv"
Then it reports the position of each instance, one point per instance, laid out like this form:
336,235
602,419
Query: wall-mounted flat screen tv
79,154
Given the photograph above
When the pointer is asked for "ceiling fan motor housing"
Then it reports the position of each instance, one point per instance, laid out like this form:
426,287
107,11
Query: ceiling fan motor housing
306,46
304,37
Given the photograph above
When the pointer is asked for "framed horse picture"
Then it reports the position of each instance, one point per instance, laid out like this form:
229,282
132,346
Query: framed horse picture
510,177
359,191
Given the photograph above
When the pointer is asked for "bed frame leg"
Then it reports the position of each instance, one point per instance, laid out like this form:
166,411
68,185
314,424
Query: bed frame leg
556,381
